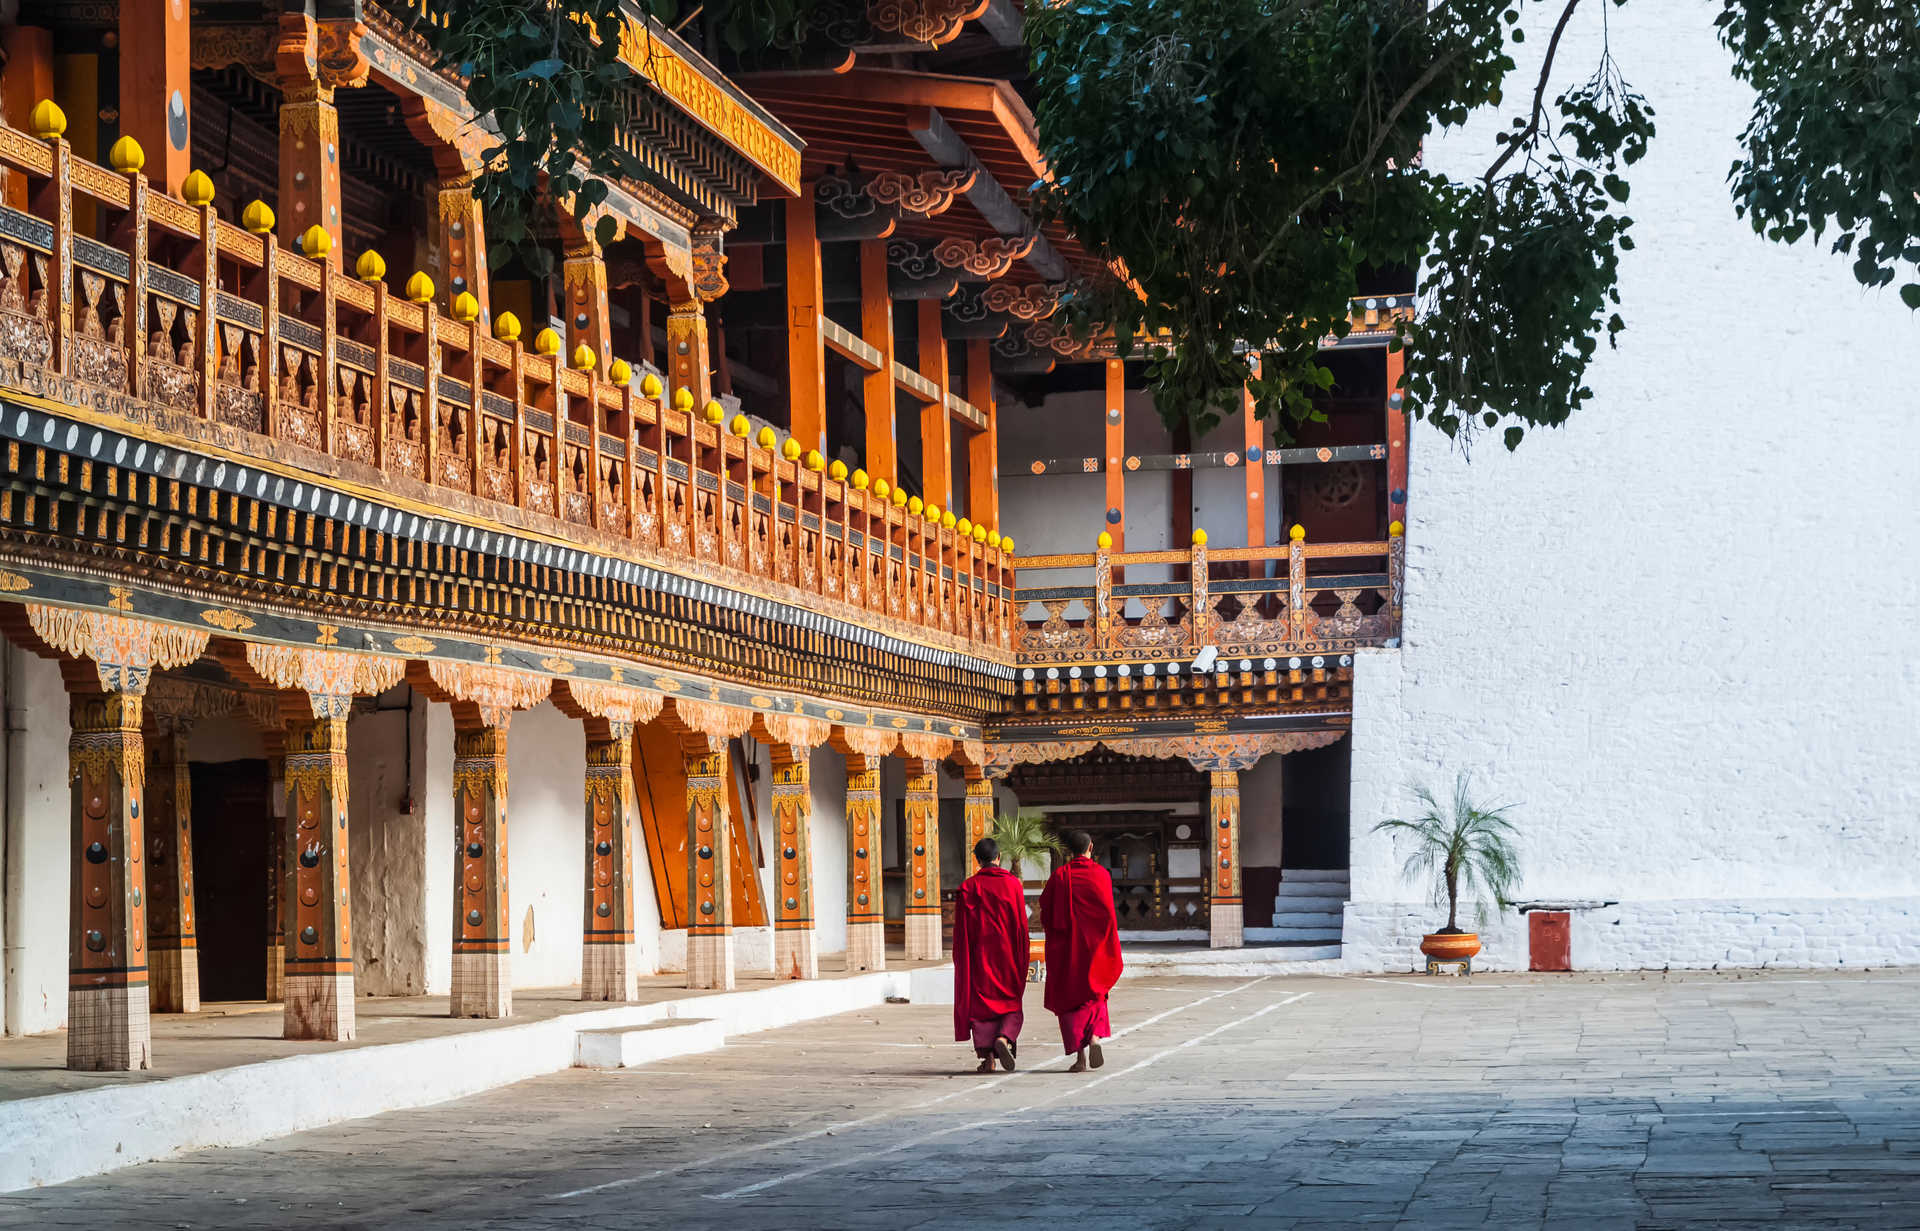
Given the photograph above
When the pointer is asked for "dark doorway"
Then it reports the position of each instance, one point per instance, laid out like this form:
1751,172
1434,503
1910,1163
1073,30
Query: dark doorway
1314,807
232,824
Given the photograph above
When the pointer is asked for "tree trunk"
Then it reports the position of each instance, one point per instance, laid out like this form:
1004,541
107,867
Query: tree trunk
1453,895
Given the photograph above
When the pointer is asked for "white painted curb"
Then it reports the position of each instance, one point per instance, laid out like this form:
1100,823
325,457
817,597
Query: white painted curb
61,1137
629,1047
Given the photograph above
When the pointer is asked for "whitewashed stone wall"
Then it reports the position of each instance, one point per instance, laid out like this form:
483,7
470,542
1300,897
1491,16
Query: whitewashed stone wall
1679,635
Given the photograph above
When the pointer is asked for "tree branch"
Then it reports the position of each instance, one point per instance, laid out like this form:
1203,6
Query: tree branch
1539,96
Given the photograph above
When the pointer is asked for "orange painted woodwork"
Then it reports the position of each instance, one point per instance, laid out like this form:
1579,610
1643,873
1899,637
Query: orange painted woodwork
1253,458
1396,438
1114,415
983,446
936,437
878,396
806,355
26,79
156,60
660,789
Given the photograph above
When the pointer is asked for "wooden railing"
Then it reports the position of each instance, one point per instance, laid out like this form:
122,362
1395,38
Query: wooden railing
278,355
1321,598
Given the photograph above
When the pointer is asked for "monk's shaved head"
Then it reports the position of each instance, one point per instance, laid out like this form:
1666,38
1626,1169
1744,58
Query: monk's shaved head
1079,841
986,851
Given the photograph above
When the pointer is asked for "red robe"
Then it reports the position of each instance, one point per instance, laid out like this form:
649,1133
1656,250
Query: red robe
1083,936
989,948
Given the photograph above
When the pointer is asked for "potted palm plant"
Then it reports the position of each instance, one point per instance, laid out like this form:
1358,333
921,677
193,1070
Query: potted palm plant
1459,848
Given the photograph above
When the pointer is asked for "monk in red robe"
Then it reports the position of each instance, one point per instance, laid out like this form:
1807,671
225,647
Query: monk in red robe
1083,951
990,959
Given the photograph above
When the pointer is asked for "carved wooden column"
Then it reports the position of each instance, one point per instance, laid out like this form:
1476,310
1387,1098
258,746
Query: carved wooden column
309,138
482,984
108,1026
709,863
923,861
879,395
795,950
866,924
607,969
936,425
806,355
276,865
584,276
463,243
1225,919
108,1013
156,54
980,808
173,946
315,897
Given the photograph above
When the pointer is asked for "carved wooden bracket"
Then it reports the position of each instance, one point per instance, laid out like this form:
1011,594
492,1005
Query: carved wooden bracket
616,703
845,208
795,730
924,21
926,746
329,678
965,314
711,719
986,258
495,691
923,195
914,272
1032,302
866,741
709,266
125,649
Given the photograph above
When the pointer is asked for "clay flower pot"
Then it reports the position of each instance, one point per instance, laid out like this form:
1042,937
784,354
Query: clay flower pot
1450,947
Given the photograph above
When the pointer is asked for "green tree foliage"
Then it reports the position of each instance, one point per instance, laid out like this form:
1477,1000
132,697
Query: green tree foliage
1459,848
1247,162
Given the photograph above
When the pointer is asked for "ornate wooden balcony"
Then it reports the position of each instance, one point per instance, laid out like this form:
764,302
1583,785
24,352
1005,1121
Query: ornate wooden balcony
1323,598
178,326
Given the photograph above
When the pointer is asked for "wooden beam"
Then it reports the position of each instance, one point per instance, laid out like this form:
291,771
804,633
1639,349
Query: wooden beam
26,79
876,388
947,148
806,357
156,63
936,433
849,345
1396,438
1002,21
983,446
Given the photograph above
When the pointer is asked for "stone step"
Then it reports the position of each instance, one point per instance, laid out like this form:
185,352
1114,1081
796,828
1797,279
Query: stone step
1319,934
1309,901
1327,920
1296,875
624,1047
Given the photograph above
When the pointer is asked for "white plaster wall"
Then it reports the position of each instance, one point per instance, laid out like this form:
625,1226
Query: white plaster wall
828,779
388,849
35,890
1680,634
1260,813
433,776
546,845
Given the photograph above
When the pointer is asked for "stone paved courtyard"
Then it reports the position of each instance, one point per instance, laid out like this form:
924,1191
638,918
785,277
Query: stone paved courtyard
1501,1100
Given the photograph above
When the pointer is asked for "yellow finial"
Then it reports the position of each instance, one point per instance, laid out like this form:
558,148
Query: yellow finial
979,533
964,528
931,512
315,243
126,156
993,539
683,400
790,449
1199,538
197,190
837,471
882,488
900,498
419,287
766,438
740,426
915,505
1105,540
815,462
1298,533
583,358
650,386
372,267
860,480
1397,529
714,411
546,342
620,372
466,307
1006,545
47,120
947,519
506,327
257,218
